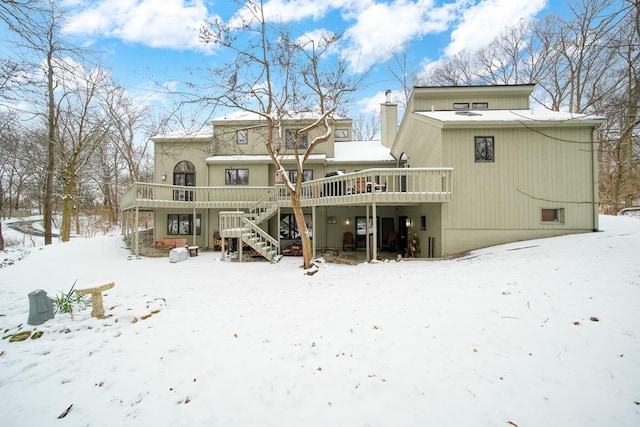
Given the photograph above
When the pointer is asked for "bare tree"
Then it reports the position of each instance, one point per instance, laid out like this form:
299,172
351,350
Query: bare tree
81,127
365,127
278,77
619,150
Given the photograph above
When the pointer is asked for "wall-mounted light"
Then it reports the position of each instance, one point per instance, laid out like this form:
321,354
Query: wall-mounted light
163,177
347,221
408,223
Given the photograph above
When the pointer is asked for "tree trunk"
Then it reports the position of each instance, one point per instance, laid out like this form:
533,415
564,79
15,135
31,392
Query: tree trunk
48,188
1,202
307,251
67,208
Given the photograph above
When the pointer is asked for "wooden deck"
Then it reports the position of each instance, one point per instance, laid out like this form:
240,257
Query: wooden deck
382,186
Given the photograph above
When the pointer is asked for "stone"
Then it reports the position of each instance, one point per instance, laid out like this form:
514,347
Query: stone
40,307
20,337
96,298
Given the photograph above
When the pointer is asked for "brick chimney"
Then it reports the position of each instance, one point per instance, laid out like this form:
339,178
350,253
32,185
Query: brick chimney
388,121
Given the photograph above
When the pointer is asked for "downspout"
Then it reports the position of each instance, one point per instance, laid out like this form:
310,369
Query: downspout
594,178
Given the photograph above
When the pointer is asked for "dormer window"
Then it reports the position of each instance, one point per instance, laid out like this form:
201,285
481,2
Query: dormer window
460,105
480,105
242,136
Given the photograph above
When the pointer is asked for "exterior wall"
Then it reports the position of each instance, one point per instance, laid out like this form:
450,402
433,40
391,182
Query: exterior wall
168,153
225,137
433,214
421,142
494,102
443,98
258,174
160,226
502,201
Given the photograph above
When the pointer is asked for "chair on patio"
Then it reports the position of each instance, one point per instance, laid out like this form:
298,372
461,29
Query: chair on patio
389,244
347,241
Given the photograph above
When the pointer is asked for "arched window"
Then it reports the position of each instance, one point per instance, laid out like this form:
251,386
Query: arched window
403,162
184,173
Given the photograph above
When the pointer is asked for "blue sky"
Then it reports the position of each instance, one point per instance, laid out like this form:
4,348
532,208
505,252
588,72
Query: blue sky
145,40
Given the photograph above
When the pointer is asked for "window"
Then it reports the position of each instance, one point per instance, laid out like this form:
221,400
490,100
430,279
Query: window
423,222
290,139
307,175
553,215
182,224
341,133
184,174
236,177
484,149
480,105
242,136
289,228
460,105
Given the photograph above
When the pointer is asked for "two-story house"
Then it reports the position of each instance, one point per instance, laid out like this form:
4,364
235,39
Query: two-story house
468,167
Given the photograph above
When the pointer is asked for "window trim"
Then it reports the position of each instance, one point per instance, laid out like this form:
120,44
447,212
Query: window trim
341,133
180,220
460,105
306,173
227,176
480,105
289,139
479,159
552,215
244,139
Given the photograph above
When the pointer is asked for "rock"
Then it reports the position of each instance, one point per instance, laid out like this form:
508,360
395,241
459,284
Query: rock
20,337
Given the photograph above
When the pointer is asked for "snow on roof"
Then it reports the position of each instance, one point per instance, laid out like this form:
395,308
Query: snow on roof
345,151
259,158
530,116
361,151
205,132
251,116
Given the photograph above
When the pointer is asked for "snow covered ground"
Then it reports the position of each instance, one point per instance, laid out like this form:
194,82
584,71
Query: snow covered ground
536,333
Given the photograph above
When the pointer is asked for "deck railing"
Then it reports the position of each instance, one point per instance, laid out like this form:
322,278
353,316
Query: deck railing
398,185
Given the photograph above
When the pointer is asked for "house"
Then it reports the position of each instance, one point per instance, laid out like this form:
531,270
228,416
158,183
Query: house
467,167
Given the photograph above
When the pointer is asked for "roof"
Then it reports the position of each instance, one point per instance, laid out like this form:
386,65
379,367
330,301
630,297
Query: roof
509,116
259,158
185,134
344,152
242,115
361,151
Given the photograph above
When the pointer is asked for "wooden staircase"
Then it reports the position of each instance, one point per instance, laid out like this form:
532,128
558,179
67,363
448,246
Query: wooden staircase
244,226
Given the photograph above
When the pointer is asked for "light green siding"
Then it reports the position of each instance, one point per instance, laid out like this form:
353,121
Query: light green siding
502,200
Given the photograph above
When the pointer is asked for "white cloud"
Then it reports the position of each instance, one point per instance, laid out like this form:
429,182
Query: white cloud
481,23
383,28
154,23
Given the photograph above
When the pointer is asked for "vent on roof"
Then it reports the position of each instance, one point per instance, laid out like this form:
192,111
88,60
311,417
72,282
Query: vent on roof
467,113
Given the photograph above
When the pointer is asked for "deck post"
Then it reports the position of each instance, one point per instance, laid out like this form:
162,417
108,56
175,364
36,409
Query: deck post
137,251
375,231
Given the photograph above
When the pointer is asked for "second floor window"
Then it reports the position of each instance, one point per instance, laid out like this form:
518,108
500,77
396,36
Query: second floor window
236,177
242,136
484,149
290,138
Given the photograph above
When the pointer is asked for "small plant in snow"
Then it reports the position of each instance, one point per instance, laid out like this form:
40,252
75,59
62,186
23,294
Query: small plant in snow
67,302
